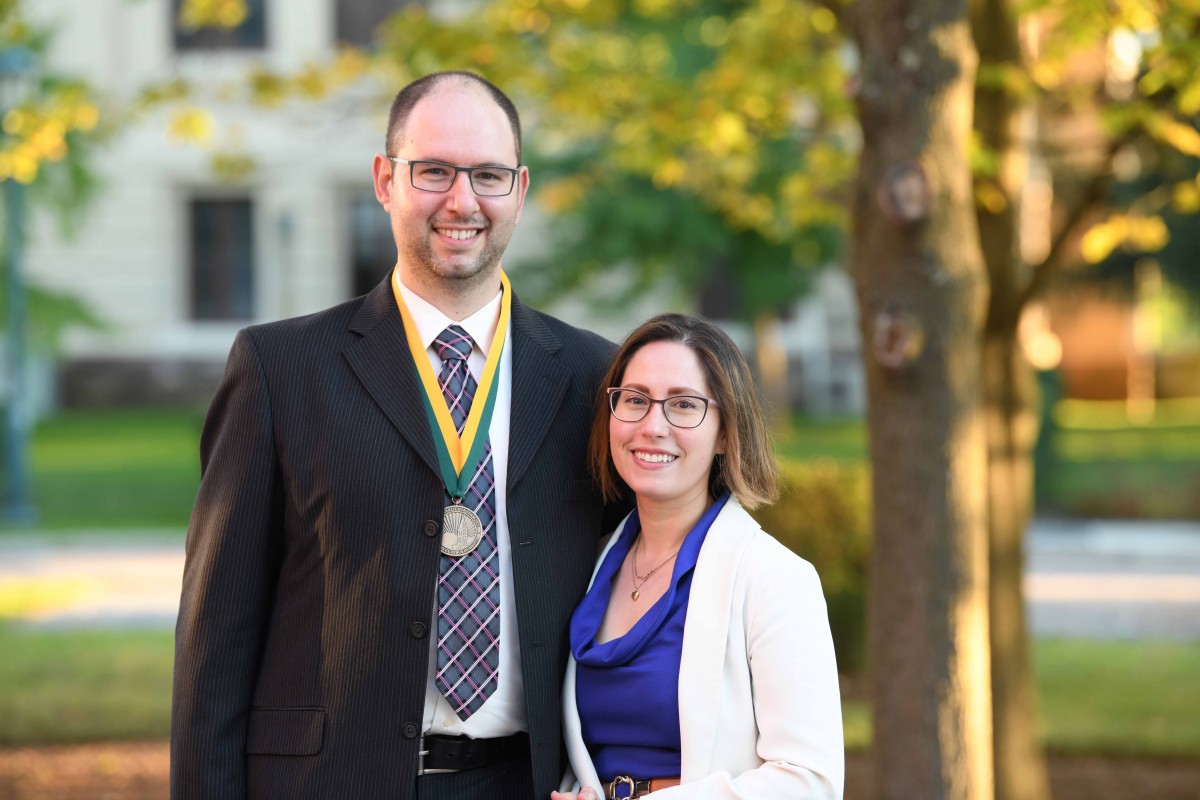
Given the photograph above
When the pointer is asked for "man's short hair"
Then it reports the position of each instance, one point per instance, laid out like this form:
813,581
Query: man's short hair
408,97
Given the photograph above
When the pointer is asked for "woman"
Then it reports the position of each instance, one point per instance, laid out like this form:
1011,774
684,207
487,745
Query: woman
702,664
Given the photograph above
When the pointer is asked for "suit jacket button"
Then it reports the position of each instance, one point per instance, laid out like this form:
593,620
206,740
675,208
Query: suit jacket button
431,528
418,630
410,730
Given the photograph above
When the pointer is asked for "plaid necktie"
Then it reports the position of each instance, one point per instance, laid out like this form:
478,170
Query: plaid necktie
468,657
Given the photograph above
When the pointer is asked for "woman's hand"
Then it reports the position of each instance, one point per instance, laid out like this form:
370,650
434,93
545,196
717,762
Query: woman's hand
586,793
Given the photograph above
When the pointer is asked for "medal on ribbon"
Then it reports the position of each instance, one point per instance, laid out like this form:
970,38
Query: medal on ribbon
458,455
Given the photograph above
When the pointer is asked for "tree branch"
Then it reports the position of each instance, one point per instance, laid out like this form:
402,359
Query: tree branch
1049,267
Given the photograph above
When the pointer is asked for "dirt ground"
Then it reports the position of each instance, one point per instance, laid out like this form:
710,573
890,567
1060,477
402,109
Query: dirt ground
138,771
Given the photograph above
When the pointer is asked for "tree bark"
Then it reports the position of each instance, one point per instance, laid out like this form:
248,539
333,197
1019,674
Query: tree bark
1001,120
1012,422
921,285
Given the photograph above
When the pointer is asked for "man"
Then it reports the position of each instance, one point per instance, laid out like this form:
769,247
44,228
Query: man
394,521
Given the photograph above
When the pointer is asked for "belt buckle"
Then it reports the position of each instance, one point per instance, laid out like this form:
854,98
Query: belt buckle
421,753
619,781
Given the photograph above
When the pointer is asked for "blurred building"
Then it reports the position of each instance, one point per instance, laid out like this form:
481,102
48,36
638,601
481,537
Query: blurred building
177,255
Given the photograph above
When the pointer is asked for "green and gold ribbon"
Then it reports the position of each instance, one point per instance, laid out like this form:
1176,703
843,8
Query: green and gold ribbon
458,457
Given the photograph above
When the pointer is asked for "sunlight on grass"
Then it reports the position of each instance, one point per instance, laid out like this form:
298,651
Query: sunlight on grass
1114,414
30,597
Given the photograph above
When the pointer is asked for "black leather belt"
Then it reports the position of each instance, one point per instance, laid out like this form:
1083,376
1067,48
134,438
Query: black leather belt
441,753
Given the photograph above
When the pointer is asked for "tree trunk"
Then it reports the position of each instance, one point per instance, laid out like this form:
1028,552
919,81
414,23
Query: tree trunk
1012,424
1002,122
921,284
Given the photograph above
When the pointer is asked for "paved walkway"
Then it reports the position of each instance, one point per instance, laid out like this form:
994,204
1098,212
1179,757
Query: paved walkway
1097,579
1114,580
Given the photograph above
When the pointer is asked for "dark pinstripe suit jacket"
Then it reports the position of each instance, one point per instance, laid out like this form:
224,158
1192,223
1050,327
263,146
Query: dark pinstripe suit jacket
302,644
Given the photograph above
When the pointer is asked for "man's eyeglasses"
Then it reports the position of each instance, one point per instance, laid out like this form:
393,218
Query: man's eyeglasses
437,176
681,410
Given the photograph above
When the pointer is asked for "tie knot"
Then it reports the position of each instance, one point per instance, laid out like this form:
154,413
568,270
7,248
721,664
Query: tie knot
453,344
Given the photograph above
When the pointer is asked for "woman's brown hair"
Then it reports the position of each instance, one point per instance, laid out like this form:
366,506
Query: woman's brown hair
747,468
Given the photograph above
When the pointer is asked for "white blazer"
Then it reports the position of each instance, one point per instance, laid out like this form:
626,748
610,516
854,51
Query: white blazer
759,708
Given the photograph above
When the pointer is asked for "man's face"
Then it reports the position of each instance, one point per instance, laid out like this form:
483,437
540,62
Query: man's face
451,241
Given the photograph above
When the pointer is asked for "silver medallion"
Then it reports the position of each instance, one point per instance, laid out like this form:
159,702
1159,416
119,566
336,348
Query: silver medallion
462,531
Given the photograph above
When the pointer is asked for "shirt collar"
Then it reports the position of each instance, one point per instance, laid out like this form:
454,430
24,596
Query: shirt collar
430,321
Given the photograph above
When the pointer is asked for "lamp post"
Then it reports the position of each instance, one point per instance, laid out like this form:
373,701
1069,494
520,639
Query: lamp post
16,76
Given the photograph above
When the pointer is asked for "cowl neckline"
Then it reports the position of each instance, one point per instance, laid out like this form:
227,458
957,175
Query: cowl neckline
585,623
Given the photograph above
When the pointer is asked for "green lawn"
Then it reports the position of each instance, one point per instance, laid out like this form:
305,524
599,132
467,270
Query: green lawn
81,686
1120,698
1116,698
139,469
1101,465
115,469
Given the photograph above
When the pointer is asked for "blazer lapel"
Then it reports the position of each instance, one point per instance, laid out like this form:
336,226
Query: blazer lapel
539,383
706,634
382,363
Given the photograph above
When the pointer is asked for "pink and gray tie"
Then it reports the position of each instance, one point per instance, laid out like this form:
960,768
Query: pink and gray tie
468,657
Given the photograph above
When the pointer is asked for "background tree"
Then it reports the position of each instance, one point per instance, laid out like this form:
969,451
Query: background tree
47,139
1124,76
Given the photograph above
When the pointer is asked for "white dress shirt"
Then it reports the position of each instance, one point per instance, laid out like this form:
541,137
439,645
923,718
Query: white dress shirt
504,712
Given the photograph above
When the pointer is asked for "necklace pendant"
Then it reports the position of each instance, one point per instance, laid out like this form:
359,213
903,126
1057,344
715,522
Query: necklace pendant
635,594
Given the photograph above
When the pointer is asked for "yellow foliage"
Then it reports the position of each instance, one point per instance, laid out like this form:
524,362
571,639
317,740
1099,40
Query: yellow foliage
1145,234
37,132
312,83
655,53
16,121
1189,98
669,172
564,194
23,167
212,13
533,21
989,196
1046,75
655,9
267,88
231,167
1185,197
85,117
714,31
823,21
1140,15
191,124
1184,138
349,64
728,133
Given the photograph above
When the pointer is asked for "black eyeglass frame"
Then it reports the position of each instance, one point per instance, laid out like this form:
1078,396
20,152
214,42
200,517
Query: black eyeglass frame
612,394
412,178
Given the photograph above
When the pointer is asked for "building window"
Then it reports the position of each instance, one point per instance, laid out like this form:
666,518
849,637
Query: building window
372,248
251,34
222,253
358,19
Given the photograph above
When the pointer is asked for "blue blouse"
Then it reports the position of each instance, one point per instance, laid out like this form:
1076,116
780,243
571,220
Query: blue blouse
627,689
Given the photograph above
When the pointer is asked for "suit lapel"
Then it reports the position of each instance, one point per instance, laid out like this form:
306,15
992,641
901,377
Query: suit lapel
539,383
382,363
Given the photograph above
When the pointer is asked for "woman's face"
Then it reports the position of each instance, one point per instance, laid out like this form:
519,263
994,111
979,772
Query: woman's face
660,461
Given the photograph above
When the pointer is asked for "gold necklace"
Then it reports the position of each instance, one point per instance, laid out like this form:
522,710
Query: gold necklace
640,580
